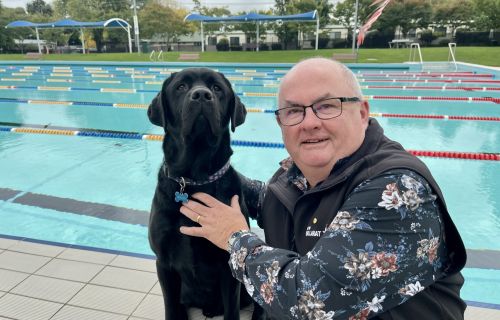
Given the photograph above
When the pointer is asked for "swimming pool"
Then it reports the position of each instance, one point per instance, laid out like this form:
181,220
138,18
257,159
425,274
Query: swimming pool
78,156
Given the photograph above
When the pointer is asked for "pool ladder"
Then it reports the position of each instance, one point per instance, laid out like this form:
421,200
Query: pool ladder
450,65
159,57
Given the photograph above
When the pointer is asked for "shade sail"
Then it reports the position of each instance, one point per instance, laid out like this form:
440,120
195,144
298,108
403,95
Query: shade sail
254,17
68,23
307,16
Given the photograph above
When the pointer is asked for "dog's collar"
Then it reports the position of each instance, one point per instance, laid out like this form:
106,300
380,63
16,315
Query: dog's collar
180,196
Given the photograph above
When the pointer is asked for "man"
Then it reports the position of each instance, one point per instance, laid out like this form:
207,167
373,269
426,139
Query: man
355,226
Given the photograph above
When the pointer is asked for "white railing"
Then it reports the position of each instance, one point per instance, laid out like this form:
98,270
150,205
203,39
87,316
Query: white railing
451,54
156,57
414,49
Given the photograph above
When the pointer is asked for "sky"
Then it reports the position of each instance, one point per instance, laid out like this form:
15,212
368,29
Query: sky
233,5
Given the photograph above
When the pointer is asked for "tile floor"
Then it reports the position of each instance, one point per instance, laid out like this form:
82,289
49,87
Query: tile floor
46,282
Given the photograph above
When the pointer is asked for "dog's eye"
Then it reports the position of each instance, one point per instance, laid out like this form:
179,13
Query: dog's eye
181,87
216,88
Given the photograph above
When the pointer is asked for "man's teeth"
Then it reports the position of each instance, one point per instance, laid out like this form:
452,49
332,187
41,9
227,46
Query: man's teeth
314,141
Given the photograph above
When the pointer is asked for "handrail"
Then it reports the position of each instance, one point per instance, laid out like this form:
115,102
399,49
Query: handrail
451,54
152,56
414,47
160,56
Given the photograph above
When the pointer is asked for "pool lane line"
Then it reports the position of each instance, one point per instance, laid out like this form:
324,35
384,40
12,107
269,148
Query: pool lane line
394,97
132,90
432,88
259,144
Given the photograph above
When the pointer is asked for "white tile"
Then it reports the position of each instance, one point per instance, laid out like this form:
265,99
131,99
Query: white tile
151,308
475,313
48,288
24,308
37,248
9,279
156,289
76,313
87,256
134,263
21,261
70,270
7,243
126,279
107,299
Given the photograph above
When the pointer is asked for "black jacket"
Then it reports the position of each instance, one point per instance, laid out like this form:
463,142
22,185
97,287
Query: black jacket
287,211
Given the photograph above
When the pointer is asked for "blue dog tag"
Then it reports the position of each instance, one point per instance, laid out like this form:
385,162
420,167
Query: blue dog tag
181,197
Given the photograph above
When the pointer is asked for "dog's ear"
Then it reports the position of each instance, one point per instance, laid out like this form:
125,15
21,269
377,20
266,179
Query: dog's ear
157,107
237,109
238,113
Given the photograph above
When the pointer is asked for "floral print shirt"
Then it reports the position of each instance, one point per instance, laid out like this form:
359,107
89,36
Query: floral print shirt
383,246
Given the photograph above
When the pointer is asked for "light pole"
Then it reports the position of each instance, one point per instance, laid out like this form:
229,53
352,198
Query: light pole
355,26
136,27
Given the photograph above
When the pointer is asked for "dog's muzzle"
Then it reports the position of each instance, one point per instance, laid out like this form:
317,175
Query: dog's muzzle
202,104
201,95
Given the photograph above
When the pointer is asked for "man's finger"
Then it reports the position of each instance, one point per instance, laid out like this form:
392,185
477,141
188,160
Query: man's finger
206,199
235,203
189,213
192,231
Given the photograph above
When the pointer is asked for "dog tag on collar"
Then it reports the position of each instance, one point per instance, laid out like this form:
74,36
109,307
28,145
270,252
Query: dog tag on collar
181,197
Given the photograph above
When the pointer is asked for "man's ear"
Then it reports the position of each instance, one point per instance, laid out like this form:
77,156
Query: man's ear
158,106
237,109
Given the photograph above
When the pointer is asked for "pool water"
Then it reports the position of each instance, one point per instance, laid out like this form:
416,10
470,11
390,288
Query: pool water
47,181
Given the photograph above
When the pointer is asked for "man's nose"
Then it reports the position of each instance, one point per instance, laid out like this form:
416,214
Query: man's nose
310,118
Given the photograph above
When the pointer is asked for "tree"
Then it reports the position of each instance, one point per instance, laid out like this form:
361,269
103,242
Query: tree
212,28
407,14
453,13
95,10
250,28
7,36
486,14
39,7
286,31
343,13
163,22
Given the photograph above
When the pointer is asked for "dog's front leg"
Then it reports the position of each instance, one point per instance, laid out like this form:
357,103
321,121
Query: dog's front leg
170,283
230,297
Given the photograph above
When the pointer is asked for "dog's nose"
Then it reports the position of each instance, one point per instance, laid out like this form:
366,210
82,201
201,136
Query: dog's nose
201,94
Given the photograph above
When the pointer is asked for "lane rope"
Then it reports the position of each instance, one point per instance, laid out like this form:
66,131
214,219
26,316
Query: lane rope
243,143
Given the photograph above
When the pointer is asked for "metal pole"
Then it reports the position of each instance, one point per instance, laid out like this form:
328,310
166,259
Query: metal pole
83,40
355,26
136,28
317,32
202,39
38,41
258,36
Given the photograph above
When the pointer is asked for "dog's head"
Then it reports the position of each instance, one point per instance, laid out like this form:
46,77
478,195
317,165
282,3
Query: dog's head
196,101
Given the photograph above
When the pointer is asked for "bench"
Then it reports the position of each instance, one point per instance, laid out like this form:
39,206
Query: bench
345,56
33,55
189,56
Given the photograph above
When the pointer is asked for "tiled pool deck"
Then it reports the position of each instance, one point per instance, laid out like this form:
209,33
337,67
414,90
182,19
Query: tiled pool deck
41,281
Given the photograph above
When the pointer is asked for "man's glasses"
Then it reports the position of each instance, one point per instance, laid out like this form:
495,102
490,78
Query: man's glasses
325,109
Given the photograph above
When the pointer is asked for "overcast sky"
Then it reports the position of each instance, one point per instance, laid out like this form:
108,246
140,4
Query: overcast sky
233,5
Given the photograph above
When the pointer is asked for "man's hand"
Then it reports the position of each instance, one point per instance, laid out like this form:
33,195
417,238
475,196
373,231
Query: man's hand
217,220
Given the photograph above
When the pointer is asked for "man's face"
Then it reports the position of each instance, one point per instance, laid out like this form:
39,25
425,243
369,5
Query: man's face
315,143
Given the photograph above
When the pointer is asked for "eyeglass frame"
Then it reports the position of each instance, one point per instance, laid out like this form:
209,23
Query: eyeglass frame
342,100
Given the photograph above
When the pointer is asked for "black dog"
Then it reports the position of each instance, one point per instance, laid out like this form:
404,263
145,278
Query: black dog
195,107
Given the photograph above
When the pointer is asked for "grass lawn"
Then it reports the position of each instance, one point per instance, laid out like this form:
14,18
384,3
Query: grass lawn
479,55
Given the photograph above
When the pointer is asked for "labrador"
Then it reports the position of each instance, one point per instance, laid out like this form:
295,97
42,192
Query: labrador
195,107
